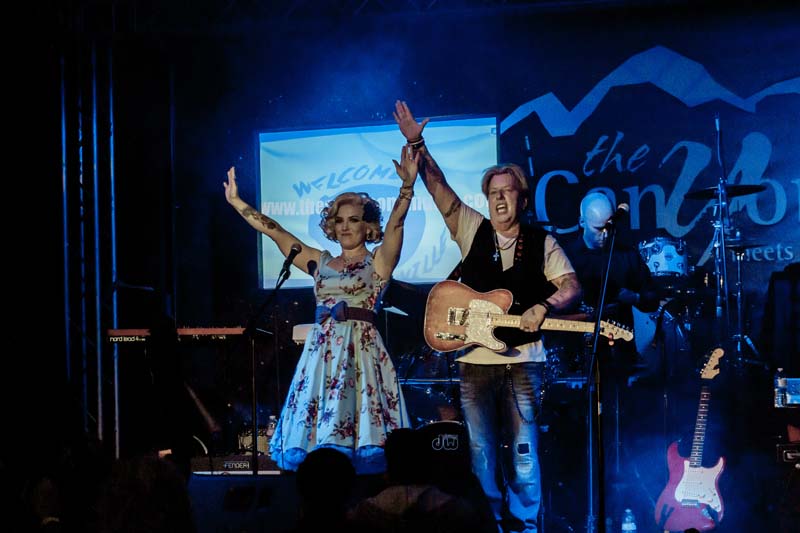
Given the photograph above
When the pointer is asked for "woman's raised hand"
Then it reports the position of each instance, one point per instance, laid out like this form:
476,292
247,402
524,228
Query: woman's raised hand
231,189
408,167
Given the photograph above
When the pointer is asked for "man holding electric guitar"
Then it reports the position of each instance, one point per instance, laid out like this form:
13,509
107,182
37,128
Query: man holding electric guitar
499,386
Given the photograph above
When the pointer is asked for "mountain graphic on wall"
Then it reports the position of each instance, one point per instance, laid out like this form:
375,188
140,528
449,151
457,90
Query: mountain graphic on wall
677,75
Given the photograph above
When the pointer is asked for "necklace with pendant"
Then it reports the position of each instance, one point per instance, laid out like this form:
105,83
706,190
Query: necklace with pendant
506,246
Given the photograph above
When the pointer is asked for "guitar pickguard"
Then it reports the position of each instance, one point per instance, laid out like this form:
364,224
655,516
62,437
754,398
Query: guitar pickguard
477,322
698,486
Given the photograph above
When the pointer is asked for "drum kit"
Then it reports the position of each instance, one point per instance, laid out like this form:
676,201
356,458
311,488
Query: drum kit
688,297
430,385
688,294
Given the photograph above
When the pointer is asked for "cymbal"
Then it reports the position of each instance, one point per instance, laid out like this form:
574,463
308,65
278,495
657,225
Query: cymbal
732,190
738,246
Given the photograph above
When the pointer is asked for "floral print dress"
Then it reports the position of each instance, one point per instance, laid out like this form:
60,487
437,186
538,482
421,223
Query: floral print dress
345,393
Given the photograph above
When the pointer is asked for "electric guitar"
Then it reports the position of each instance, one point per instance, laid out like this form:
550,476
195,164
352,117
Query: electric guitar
691,498
457,316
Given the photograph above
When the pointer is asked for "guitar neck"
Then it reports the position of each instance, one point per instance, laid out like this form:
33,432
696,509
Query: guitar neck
552,324
699,439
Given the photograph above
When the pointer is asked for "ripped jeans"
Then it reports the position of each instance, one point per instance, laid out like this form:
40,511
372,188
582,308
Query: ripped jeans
499,404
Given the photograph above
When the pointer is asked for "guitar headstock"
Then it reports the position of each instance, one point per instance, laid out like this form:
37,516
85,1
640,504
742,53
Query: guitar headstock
613,330
710,370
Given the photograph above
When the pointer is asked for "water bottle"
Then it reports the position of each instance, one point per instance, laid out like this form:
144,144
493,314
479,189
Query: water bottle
271,425
780,384
628,522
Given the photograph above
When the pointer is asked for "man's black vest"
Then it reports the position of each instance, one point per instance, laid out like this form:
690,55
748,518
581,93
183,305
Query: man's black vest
525,280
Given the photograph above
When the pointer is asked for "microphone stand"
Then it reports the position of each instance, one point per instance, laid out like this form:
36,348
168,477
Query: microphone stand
594,405
249,333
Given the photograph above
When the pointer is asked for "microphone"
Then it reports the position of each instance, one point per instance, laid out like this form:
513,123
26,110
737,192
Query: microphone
620,213
296,249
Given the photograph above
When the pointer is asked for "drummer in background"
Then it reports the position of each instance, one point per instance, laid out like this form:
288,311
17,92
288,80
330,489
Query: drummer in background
629,284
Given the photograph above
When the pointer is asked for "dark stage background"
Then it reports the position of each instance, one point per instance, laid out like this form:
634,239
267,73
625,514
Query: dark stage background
609,95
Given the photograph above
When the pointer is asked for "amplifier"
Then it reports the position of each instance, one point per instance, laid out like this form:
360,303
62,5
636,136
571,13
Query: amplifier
233,464
789,453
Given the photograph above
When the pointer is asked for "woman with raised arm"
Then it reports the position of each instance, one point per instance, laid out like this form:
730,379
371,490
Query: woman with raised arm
345,393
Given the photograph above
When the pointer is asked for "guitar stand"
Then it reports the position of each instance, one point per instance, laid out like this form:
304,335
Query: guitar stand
664,515
667,511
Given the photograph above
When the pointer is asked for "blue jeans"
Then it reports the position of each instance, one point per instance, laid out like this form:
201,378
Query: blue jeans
499,404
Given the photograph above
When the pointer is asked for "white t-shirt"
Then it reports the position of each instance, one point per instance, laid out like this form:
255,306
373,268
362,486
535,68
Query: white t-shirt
556,264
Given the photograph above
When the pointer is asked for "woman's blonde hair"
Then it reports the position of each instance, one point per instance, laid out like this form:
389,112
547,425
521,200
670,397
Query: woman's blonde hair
373,216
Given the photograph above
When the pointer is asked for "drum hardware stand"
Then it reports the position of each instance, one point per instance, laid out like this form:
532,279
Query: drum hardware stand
660,339
721,229
740,337
453,386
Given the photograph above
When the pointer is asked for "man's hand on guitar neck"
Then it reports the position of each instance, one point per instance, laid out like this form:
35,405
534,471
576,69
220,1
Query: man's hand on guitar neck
533,318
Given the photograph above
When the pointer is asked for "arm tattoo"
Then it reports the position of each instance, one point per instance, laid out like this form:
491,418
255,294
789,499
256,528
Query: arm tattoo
430,170
569,283
397,207
249,212
569,291
453,208
402,219
433,177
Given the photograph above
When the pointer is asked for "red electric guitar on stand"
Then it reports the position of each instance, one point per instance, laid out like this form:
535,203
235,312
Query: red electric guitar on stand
691,497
